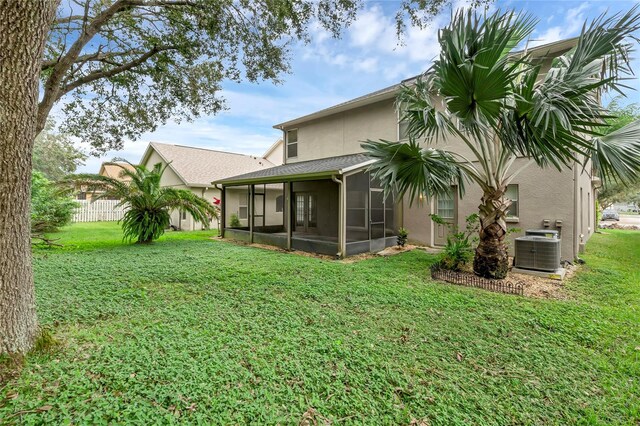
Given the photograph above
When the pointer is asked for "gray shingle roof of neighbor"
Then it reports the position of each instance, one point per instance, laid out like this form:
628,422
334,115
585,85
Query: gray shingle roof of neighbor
302,169
201,166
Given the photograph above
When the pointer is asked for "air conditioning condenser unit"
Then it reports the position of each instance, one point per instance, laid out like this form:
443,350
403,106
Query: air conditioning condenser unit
537,252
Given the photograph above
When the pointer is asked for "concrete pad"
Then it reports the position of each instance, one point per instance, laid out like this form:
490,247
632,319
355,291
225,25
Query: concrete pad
558,274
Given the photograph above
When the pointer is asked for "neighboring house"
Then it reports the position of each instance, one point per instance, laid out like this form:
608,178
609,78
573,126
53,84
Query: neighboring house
275,153
195,168
323,199
110,169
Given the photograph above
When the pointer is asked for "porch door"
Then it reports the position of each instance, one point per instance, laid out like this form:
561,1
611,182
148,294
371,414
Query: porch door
376,221
258,212
306,212
446,208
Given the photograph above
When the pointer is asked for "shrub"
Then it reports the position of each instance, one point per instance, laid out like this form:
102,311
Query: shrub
458,251
50,208
148,202
235,221
402,237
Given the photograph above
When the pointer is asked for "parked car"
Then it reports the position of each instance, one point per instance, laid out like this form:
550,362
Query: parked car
610,215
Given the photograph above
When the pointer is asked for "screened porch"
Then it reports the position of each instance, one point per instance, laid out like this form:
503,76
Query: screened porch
342,214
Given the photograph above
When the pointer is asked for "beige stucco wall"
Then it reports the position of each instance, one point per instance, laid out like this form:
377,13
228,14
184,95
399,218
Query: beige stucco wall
585,214
544,194
171,179
342,133
276,156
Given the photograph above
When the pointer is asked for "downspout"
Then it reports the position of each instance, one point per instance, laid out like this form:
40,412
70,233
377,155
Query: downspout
252,192
287,212
576,232
341,217
284,146
204,191
221,223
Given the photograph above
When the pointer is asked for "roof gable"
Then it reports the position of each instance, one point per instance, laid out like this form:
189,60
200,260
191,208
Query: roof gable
200,166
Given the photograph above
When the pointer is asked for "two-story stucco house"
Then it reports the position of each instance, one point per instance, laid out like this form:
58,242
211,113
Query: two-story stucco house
323,200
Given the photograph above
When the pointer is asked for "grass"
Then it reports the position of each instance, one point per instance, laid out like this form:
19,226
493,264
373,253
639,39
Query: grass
193,330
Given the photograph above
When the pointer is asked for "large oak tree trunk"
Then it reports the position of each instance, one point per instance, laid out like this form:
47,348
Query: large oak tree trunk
491,258
24,25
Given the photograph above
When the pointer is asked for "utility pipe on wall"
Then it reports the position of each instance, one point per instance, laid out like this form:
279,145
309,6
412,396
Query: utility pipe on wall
341,219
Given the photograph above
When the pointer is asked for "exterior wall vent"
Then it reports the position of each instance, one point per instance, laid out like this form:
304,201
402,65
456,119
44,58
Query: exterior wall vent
537,252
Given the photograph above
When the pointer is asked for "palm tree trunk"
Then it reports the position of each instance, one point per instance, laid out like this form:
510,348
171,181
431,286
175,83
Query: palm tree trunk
23,29
491,259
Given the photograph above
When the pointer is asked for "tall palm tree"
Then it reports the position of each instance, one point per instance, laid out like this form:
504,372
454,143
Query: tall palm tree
503,106
148,204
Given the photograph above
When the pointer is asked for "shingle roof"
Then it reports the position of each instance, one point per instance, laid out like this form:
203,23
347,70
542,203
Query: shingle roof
321,167
200,166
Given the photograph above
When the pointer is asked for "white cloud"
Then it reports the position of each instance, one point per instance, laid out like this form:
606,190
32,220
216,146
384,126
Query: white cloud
203,133
573,21
373,28
366,65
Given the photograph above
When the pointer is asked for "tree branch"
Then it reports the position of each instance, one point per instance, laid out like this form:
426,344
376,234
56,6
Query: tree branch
95,75
91,57
54,88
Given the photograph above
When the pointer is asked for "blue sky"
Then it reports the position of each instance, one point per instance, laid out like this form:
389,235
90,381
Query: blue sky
329,71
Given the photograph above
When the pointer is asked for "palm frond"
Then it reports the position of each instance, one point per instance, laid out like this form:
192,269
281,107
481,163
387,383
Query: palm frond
98,185
407,168
616,156
554,118
180,199
474,70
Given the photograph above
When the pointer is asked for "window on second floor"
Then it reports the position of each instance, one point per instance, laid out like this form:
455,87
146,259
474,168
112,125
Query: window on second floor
512,194
292,143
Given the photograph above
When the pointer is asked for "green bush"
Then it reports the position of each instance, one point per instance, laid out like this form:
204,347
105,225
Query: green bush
148,202
50,208
402,237
459,248
235,221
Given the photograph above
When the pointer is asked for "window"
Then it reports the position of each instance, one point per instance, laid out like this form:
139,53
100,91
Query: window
403,125
292,143
446,205
243,208
403,130
512,194
82,195
279,203
184,215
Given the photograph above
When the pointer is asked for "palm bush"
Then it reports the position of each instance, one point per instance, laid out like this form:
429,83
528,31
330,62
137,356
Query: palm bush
503,106
148,203
458,250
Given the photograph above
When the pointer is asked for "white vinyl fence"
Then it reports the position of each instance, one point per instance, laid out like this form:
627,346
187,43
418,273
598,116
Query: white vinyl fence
101,210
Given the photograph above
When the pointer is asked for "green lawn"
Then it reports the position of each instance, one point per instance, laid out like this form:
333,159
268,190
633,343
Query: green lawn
195,330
